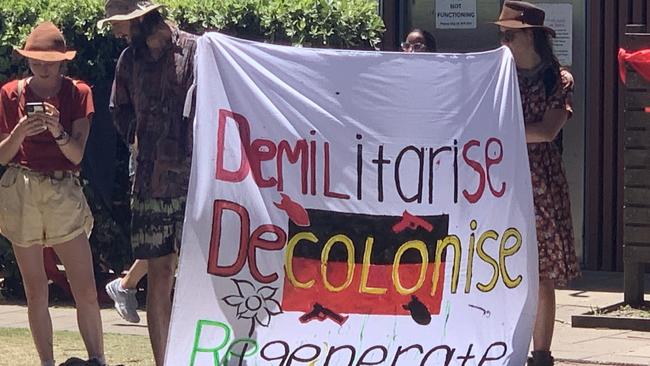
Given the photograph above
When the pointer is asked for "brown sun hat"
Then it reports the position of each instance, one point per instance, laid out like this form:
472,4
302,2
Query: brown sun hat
46,43
521,14
117,10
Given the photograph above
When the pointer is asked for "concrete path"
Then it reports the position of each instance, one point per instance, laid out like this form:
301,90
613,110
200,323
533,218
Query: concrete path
64,318
605,346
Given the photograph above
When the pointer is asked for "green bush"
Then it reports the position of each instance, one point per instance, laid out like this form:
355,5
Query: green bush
311,23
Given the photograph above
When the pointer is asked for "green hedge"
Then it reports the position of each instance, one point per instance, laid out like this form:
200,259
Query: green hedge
311,23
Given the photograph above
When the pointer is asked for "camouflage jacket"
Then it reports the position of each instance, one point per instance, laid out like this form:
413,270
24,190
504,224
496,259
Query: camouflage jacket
147,102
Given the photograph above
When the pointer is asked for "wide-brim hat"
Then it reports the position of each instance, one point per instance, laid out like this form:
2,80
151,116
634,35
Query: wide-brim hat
46,43
120,10
521,14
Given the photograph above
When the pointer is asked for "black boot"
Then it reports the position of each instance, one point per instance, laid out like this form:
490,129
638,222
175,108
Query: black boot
540,358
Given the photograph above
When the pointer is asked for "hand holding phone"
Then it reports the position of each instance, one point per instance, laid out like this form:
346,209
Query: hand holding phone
29,126
51,120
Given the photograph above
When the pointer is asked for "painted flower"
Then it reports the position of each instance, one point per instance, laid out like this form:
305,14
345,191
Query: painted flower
255,304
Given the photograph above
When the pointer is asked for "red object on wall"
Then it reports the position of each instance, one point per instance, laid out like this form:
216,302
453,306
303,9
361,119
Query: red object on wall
53,273
639,60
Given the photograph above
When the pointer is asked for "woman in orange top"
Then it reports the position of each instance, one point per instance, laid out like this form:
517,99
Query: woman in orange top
44,125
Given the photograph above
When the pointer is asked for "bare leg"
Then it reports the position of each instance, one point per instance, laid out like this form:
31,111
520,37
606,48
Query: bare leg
77,259
545,321
32,270
159,302
134,275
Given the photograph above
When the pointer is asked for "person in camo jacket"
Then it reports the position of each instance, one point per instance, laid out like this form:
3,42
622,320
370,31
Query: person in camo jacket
152,78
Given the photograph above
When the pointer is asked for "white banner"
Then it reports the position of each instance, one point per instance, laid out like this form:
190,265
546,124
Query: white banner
355,208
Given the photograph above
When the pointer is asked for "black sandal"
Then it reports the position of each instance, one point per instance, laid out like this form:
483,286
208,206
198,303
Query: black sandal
541,358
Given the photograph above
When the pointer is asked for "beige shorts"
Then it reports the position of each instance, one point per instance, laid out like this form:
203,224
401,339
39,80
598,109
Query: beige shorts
42,209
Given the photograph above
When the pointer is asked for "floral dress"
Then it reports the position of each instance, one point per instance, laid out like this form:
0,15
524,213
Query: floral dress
557,256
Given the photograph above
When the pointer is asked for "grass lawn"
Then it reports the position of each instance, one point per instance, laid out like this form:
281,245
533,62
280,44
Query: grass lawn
17,348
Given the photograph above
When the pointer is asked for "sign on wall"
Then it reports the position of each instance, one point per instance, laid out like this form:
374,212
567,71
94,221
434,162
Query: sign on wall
455,14
560,18
355,208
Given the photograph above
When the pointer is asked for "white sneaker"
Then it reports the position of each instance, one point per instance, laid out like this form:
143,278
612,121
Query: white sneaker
125,302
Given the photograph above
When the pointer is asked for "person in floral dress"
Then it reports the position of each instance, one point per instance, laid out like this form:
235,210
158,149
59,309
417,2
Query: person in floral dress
546,91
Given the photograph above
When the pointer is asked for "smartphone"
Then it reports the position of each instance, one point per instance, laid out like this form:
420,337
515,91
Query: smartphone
34,107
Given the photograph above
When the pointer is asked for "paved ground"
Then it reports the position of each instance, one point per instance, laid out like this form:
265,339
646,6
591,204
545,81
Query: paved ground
64,318
602,346
571,346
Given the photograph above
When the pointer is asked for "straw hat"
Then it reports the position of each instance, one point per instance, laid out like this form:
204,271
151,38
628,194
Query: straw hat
521,14
117,10
46,43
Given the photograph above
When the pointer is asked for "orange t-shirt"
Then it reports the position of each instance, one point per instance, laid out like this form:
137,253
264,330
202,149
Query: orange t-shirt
40,152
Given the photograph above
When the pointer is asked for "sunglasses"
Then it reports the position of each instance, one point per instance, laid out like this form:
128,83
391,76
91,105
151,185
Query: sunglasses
508,35
413,47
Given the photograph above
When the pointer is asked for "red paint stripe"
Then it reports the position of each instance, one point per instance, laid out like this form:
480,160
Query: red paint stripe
350,300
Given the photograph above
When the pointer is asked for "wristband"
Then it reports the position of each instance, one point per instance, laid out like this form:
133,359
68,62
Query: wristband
62,136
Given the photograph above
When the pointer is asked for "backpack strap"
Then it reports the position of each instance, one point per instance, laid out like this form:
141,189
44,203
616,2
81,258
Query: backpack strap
73,84
21,88
20,91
